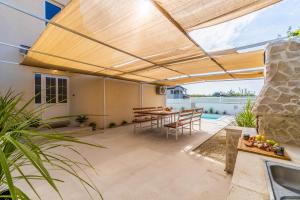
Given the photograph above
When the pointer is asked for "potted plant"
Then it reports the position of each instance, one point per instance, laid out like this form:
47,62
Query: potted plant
93,125
22,146
81,119
246,118
112,125
124,122
211,110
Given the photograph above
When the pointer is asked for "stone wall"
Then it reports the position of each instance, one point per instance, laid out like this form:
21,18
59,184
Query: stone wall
233,135
278,105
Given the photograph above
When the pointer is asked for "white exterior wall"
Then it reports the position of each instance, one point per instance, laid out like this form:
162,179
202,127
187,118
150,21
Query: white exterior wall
86,93
20,29
232,105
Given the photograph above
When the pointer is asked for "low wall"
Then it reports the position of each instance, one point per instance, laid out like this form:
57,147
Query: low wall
231,105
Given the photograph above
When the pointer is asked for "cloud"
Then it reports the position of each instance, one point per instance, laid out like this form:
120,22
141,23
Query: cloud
222,36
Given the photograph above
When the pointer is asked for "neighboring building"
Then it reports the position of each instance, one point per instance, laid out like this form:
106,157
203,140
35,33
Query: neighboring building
177,92
63,92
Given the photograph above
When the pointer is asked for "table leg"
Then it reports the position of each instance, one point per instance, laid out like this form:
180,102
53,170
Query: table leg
161,124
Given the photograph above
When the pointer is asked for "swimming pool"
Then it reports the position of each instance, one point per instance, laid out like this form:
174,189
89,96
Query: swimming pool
211,116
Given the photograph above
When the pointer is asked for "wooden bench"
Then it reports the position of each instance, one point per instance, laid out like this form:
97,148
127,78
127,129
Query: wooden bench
186,119
197,117
140,118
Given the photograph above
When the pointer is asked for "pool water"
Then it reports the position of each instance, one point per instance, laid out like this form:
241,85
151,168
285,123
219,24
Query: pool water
211,116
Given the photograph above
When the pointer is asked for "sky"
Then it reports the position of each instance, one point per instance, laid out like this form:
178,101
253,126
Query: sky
266,24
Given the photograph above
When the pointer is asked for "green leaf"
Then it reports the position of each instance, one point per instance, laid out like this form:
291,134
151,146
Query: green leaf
35,160
8,176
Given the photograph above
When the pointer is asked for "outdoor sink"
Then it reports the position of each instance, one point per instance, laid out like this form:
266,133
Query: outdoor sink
283,181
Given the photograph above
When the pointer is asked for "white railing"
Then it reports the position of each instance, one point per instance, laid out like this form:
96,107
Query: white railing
229,105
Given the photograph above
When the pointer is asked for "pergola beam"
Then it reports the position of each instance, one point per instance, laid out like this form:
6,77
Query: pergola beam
72,60
212,53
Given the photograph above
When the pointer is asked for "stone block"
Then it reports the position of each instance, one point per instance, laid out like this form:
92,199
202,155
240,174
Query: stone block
296,90
275,57
277,48
279,77
293,54
284,67
271,92
283,98
283,89
294,83
294,46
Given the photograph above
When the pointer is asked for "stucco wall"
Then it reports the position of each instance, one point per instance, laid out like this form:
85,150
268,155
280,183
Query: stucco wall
150,98
120,97
86,95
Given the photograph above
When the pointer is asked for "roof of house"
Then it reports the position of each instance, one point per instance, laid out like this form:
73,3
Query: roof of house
177,86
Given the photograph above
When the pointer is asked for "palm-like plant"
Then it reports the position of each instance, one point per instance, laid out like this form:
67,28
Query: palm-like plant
21,145
246,118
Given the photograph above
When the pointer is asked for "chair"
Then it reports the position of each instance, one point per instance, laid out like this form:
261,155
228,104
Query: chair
184,120
197,117
166,119
140,119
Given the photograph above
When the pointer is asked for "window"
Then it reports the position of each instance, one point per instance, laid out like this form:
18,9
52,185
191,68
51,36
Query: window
62,90
38,88
50,90
51,10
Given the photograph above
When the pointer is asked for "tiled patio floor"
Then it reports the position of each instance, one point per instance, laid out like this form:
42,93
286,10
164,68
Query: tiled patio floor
147,166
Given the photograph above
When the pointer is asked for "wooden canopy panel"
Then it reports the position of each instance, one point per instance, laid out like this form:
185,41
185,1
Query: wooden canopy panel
220,77
135,40
230,61
236,61
195,14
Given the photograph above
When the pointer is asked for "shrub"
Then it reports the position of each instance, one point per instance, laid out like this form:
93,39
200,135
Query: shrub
246,118
293,34
112,125
217,112
224,113
124,122
81,119
211,110
205,111
93,125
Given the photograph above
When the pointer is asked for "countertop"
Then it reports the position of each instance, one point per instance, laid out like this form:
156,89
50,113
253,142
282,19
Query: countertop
249,181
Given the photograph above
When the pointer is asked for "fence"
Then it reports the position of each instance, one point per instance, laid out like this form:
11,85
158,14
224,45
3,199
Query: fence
221,105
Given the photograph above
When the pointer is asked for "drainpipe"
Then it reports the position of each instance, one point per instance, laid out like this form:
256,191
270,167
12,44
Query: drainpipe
104,104
141,95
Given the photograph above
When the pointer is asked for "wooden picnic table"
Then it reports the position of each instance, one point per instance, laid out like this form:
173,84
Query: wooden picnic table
160,114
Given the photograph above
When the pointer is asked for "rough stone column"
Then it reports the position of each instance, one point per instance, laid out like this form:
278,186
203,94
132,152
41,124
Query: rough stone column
233,133
278,104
